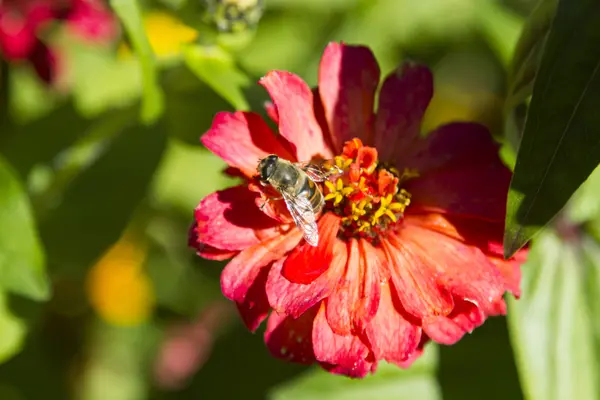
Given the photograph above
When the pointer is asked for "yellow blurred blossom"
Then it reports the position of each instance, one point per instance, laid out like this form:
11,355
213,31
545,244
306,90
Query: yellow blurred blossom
165,33
117,286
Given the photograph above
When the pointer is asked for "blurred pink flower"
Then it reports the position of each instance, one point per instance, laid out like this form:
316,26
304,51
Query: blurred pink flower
187,346
22,23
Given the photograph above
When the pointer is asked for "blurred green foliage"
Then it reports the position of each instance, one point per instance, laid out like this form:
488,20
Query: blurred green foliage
104,169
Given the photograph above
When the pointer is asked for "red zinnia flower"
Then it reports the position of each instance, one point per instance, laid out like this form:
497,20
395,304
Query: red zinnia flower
410,237
22,20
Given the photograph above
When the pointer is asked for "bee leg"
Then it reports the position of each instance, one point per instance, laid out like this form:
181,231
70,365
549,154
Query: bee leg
267,200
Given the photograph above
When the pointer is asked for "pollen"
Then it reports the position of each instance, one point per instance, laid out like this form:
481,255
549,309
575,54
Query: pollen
368,194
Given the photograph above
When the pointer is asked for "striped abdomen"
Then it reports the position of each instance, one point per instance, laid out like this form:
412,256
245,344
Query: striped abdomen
310,190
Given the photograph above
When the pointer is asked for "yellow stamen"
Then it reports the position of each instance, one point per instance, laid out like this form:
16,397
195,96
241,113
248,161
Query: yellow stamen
337,191
390,208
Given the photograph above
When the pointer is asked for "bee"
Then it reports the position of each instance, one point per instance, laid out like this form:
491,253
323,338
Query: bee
296,182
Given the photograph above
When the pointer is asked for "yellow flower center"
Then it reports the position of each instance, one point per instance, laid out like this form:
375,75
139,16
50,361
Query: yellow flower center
367,195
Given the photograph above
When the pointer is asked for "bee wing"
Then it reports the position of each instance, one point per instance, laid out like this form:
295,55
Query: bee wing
303,216
317,172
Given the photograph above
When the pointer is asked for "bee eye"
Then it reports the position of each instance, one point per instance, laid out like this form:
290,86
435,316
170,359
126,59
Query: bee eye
267,166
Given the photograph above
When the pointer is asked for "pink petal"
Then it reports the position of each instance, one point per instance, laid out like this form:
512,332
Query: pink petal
348,78
295,298
229,220
348,354
462,270
241,139
239,275
414,281
255,307
291,339
449,330
297,123
391,336
355,299
403,99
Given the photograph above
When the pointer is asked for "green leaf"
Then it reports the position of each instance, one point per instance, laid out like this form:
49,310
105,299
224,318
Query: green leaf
22,263
39,141
101,82
584,205
12,331
218,70
528,52
185,95
550,326
561,139
99,202
389,382
130,14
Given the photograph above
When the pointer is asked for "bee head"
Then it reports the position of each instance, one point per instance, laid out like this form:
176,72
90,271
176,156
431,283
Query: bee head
266,166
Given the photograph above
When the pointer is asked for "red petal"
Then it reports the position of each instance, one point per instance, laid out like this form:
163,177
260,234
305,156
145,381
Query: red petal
255,307
44,62
391,336
295,298
404,97
449,330
348,78
204,250
272,111
297,122
212,253
511,272
239,275
463,270
460,173
17,37
356,296
414,281
291,339
347,353
307,263
229,220
453,145
241,139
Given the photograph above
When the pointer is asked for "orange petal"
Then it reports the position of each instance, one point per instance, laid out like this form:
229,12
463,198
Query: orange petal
414,280
463,270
